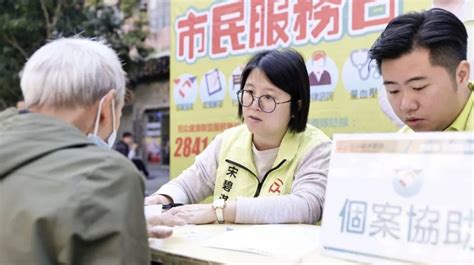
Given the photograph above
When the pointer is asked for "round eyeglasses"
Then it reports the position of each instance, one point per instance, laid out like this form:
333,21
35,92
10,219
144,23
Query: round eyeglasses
266,103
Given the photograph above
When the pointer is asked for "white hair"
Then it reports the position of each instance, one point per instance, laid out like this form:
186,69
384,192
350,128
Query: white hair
72,72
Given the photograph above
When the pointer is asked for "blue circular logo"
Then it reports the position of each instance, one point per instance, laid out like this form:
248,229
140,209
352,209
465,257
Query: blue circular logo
407,182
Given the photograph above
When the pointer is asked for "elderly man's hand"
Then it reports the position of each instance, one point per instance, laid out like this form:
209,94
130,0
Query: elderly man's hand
159,231
159,226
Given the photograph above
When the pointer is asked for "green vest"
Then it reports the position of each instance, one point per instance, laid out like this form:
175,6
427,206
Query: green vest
236,172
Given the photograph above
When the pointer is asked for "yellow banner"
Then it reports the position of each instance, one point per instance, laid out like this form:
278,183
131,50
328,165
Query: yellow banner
212,40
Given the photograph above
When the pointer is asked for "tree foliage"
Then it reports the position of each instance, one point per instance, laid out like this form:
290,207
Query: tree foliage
26,25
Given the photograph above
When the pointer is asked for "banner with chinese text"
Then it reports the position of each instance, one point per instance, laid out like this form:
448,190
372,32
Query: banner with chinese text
212,40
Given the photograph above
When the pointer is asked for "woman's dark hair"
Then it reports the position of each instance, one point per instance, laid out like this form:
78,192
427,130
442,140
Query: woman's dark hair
286,70
437,30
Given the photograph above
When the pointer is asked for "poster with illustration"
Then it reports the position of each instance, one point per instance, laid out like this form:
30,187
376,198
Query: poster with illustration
211,41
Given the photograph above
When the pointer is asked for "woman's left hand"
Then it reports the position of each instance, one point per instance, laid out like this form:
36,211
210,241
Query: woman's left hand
195,213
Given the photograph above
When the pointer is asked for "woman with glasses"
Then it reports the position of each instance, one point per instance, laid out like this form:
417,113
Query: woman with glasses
271,169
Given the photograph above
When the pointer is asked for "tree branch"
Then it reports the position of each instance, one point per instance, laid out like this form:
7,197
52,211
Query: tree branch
46,18
57,13
13,42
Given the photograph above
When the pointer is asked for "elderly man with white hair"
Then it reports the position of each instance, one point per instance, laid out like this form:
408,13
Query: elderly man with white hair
65,198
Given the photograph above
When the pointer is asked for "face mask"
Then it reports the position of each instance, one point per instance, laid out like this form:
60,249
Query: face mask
111,139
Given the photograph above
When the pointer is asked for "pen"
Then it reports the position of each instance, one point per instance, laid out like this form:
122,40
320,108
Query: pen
171,205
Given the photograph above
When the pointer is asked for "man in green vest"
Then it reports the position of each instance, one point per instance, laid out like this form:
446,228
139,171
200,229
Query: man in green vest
422,59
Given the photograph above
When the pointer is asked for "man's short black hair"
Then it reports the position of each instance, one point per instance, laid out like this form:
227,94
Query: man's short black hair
286,69
437,30
127,134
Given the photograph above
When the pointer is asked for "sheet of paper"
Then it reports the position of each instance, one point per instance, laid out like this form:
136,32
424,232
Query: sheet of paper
192,232
278,241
